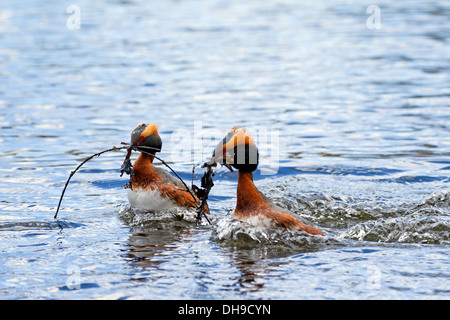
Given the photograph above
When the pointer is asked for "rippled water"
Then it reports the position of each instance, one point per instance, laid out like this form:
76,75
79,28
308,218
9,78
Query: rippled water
357,121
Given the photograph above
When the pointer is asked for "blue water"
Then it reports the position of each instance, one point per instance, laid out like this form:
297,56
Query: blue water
353,126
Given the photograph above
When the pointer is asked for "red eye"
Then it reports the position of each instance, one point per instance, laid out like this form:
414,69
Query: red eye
141,138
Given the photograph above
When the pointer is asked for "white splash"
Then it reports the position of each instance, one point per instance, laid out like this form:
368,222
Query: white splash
149,200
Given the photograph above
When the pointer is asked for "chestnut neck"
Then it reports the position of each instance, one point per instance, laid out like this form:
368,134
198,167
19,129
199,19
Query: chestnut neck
144,163
248,196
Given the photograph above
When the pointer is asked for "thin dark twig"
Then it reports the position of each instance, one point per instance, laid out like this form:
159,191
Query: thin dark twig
139,148
207,184
192,176
79,166
187,189
127,146
203,202
182,181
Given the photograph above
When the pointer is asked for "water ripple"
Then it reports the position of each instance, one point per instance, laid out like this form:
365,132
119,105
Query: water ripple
362,120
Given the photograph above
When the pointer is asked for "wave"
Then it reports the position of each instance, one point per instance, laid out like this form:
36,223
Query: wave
37,225
341,218
135,217
427,223
240,234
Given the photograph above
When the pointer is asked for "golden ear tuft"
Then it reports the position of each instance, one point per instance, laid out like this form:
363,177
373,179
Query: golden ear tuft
238,137
151,129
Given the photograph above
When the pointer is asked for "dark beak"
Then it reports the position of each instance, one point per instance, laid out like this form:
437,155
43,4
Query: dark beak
215,159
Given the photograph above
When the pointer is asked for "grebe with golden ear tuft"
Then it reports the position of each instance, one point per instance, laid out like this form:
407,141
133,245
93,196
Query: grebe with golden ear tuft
153,188
238,150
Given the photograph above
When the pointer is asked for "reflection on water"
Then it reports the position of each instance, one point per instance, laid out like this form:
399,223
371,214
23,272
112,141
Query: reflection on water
362,119
154,235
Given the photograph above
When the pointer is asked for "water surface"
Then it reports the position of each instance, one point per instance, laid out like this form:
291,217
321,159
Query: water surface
357,124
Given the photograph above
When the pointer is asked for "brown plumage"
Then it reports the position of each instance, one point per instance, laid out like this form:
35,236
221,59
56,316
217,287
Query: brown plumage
149,178
251,203
151,187
252,206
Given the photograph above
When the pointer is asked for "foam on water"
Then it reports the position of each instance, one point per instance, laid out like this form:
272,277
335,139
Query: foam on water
428,222
243,235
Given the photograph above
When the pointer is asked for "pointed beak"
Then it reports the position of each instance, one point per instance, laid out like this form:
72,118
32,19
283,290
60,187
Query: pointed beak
228,166
219,157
